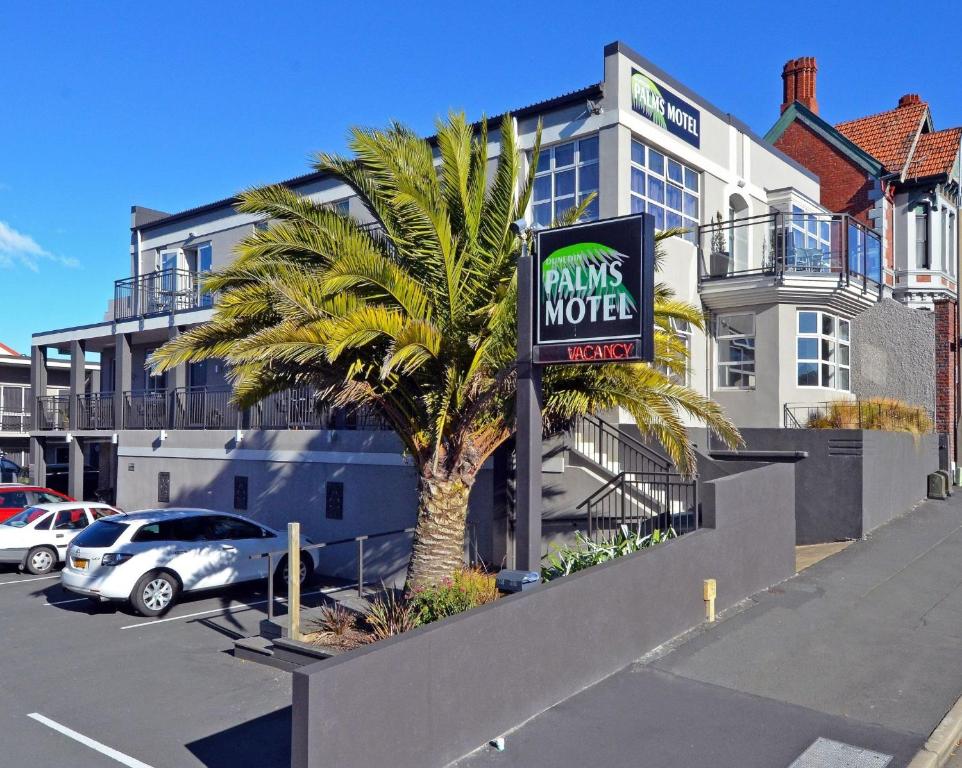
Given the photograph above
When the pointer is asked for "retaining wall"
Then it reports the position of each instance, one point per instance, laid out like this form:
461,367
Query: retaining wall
435,694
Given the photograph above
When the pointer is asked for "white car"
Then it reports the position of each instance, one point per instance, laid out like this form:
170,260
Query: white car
149,557
37,537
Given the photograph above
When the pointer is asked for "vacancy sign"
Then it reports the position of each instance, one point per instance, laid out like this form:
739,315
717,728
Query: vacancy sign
594,285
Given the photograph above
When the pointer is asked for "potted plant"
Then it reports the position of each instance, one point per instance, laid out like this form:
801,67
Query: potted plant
720,259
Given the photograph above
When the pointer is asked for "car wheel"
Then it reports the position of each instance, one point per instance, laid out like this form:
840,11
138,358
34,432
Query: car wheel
307,572
155,593
41,560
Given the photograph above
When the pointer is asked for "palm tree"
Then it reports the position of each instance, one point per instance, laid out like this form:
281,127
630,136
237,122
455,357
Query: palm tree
414,318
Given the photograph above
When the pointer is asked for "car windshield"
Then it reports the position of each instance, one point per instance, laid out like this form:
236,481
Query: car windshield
24,518
102,533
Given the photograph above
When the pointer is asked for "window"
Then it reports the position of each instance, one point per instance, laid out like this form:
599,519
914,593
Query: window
950,250
735,335
99,512
682,329
665,188
43,497
823,351
103,533
921,238
566,175
13,499
811,242
185,529
70,520
27,516
228,528
155,382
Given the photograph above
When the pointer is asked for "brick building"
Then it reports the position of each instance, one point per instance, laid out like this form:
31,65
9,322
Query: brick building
896,173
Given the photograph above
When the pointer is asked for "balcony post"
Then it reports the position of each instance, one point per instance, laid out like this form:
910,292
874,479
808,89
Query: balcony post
75,468
123,375
78,371
176,384
38,388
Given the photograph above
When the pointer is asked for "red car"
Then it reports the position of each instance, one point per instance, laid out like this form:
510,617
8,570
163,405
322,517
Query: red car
15,497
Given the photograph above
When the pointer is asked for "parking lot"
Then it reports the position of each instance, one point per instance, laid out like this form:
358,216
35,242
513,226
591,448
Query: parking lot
92,686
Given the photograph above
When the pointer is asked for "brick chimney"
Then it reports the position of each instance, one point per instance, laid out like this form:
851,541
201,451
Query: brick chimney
909,99
798,83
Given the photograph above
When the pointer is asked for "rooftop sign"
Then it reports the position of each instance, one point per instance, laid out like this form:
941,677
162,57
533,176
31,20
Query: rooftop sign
665,109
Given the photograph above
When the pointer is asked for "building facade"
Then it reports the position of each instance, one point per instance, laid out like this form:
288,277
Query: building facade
781,277
893,172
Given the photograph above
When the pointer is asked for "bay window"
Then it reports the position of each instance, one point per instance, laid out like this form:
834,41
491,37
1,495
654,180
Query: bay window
735,339
823,351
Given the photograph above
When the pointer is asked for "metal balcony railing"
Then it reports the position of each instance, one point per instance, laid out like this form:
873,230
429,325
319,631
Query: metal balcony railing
805,244
858,414
53,412
15,422
159,292
95,410
146,410
205,408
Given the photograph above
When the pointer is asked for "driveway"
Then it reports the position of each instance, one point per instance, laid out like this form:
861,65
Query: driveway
91,686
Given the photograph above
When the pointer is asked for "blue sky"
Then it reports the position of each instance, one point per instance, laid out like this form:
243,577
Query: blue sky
174,104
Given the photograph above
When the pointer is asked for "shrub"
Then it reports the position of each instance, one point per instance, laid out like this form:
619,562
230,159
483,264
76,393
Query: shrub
585,552
337,628
391,614
881,413
466,589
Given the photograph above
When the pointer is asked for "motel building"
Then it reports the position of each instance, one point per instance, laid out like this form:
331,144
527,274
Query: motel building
792,290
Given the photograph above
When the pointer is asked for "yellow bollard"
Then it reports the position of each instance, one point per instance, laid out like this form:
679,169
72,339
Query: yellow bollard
709,591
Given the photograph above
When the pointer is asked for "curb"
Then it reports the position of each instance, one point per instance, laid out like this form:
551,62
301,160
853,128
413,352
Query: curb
935,752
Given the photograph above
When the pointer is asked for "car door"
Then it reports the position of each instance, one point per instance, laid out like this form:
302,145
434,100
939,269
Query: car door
12,500
67,523
233,542
179,544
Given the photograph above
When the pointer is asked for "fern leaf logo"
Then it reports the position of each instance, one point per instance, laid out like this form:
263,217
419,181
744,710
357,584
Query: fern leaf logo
584,270
647,99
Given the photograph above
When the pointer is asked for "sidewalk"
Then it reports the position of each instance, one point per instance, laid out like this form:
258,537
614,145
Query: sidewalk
863,648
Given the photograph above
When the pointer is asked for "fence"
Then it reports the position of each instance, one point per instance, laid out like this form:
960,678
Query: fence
858,414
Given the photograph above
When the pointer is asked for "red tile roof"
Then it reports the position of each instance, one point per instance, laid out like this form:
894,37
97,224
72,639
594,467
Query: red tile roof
934,154
887,136
7,351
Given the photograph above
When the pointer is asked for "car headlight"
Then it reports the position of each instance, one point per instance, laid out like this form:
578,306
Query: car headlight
116,558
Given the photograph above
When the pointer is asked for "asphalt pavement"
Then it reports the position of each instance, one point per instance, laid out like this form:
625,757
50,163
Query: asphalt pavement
851,663
90,686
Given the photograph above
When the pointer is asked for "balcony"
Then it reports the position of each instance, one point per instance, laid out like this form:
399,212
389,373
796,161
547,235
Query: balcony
95,410
53,412
160,292
197,408
809,245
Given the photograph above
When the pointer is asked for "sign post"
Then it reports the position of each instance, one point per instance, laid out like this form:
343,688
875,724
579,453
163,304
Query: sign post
586,297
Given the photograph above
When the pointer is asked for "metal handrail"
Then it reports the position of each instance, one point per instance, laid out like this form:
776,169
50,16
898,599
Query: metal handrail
359,540
609,436
679,511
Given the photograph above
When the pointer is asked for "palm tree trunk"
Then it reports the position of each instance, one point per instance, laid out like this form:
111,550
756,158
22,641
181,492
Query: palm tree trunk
438,549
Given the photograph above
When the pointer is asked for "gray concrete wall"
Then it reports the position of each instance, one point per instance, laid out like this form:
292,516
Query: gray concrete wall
894,470
437,693
287,472
893,354
852,480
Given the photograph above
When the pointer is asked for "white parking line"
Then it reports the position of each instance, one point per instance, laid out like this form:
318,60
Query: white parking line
64,602
103,749
33,578
225,611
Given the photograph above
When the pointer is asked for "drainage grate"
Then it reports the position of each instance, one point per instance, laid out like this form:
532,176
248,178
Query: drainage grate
825,753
